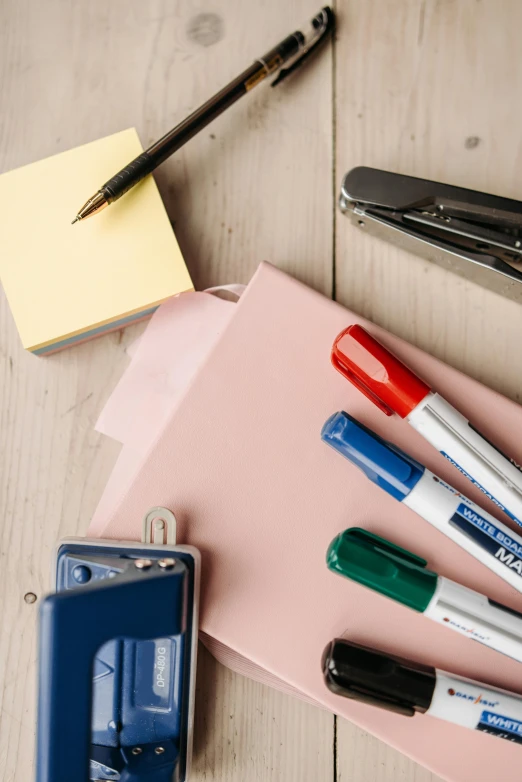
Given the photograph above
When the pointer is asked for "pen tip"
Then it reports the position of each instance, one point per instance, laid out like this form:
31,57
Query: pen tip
76,219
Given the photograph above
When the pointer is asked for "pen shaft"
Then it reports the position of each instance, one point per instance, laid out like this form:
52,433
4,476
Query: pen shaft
469,526
145,163
471,704
285,57
189,127
477,617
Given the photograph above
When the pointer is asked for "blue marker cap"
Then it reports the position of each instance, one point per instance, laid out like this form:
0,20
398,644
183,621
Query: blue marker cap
384,463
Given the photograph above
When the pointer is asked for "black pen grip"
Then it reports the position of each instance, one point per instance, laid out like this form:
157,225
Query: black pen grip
129,176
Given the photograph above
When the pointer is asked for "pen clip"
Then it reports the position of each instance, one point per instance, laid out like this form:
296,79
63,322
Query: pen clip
322,25
382,566
376,372
385,547
379,679
350,375
389,703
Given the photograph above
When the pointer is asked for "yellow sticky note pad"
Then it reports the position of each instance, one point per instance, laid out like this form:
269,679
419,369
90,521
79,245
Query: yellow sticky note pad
66,283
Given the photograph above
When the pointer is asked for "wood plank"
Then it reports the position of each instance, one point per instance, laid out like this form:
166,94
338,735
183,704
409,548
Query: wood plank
427,89
52,467
255,186
248,731
363,758
430,89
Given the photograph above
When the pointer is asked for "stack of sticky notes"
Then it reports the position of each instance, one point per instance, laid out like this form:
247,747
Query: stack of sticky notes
67,283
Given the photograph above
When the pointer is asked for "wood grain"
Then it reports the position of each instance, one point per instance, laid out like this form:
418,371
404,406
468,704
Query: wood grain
247,731
423,87
363,758
69,73
427,89
430,89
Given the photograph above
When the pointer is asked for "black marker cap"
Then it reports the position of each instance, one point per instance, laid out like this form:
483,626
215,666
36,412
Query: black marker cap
376,678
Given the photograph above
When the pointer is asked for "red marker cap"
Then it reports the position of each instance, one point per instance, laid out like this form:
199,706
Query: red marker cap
381,377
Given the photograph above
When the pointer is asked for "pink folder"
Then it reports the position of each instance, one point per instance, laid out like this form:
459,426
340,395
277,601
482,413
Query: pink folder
241,463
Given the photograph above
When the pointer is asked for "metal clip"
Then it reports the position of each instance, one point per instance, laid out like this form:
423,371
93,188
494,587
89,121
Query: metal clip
159,527
320,27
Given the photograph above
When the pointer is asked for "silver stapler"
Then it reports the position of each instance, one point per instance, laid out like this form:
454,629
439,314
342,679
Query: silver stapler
476,235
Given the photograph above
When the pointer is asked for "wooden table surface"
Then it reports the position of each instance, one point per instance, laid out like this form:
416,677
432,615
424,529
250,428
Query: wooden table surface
424,87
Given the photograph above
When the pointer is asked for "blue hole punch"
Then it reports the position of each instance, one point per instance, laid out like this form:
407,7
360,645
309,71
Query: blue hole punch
117,659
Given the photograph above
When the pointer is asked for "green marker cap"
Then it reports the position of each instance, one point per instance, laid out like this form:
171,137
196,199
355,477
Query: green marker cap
382,566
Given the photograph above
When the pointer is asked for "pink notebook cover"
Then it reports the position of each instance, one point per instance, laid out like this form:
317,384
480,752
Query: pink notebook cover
241,464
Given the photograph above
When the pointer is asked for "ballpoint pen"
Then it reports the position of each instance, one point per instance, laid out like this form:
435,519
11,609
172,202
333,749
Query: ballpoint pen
291,53
394,388
406,687
401,575
468,525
